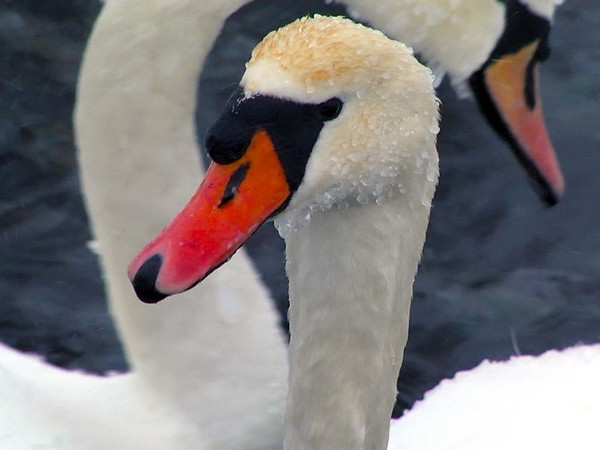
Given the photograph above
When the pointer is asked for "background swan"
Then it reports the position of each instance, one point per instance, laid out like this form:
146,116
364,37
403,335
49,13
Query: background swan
483,44
148,338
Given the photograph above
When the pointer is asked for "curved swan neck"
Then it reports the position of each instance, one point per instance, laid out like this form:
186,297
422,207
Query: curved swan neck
351,274
135,120
139,161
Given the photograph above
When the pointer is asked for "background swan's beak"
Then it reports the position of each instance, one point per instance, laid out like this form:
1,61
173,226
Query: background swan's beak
230,204
508,92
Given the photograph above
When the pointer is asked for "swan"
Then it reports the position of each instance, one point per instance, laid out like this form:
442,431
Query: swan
332,131
490,49
195,365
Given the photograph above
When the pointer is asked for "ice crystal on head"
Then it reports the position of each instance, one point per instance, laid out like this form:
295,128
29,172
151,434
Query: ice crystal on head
343,205
362,198
357,156
284,227
388,172
371,188
290,221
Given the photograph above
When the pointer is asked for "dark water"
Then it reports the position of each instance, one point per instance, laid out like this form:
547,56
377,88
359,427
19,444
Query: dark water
501,274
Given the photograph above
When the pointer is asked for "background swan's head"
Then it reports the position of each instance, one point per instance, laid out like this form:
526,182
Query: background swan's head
329,113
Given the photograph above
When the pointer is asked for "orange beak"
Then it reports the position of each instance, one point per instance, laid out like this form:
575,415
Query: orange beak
230,204
513,86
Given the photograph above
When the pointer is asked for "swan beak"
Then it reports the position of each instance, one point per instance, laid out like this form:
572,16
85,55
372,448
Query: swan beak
230,204
512,83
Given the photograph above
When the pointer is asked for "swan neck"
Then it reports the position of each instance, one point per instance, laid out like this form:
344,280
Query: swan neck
139,160
351,275
207,350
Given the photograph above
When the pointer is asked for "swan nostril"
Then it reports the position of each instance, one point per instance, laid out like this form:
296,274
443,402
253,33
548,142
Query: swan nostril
144,281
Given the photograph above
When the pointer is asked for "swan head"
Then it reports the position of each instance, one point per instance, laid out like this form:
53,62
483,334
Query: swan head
507,89
491,49
329,114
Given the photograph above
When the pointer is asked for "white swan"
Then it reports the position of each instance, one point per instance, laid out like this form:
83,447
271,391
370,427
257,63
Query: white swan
336,124
196,364
493,47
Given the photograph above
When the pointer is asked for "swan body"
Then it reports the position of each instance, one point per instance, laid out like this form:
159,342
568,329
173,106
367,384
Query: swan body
50,408
550,401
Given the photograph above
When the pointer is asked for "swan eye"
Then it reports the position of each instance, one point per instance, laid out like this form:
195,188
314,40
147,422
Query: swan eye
331,108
